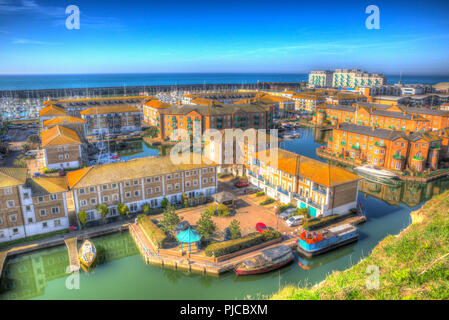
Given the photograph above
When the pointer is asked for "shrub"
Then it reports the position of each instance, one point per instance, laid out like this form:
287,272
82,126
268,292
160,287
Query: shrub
267,201
230,246
164,203
220,210
284,207
205,226
317,223
260,193
234,229
151,230
225,247
271,235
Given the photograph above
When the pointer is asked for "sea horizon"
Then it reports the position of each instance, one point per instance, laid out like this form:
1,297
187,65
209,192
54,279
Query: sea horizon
95,80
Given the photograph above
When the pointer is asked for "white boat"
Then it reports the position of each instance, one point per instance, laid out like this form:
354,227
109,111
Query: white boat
372,170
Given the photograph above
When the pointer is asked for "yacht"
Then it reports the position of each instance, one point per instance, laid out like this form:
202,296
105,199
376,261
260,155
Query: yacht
375,171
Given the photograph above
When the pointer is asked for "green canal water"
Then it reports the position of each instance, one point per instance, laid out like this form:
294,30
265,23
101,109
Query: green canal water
122,274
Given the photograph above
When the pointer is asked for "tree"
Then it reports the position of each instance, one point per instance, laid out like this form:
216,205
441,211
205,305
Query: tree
205,226
26,147
234,229
146,209
82,217
170,219
123,209
185,200
103,210
33,139
151,132
164,203
220,210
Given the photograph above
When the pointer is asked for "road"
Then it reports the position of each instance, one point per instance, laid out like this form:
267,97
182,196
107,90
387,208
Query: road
18,138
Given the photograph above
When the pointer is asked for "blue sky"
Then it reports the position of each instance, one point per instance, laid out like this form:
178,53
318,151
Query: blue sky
223,36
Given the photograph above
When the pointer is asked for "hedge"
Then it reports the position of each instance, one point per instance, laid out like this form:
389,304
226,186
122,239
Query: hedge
267,201
225,247
317,223
152,230
260,193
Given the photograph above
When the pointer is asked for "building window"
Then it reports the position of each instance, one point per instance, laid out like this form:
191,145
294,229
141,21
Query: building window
44,224
114,186
157,190
13,218
136,193
81,191
15,231
128,195
149,191
8,191
57,223
83,203
42,213
105,187
55,210
10,204
93,201
92,189
105,199
53,197
148,180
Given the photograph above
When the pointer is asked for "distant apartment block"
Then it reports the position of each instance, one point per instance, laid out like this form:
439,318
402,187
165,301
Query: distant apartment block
321,78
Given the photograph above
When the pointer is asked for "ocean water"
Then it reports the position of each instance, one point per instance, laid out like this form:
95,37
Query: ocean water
54,81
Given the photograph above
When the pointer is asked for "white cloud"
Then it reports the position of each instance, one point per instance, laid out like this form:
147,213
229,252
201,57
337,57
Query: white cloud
29,41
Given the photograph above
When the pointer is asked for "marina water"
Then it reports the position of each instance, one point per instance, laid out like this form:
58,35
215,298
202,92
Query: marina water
122,274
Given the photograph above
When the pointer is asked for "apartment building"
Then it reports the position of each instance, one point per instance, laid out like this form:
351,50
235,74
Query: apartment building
234,153
344,98
137,182
320,78
30,206
111,120
308,183
73,107
216,98
438,119
352,78
74,123
379,90
377,115
195,120
282,107
62,147
50,111
391,149
308,101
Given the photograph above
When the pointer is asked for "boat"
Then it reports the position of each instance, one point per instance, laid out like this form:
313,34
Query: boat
372,170
314,243
291,135
87,253
267,260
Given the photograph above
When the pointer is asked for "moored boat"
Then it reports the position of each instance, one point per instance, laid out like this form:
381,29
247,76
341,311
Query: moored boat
372,170
267,260
312,243
87,253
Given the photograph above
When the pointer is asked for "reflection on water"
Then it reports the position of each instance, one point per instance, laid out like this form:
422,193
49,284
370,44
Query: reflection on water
26,275
122,274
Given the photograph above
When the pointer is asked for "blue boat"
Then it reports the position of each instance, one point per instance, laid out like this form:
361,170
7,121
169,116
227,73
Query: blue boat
312,243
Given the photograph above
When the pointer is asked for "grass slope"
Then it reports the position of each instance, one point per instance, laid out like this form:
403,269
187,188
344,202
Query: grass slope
412,265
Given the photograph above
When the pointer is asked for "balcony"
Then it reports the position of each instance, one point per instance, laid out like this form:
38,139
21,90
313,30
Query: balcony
299,197
279,189
418,158
319,190
398,157
356,147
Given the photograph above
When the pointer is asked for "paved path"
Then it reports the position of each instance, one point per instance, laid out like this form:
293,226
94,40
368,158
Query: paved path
72,249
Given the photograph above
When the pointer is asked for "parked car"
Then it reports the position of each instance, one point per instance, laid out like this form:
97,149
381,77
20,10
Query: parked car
37,174
294,221
250,190
261,227
61,173
31,153
241,184
288,213
184,225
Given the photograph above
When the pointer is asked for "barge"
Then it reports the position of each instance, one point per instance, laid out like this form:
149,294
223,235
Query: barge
312,243
267,260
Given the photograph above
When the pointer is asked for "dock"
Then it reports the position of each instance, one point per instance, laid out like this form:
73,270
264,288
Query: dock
194,262
3,255
72,249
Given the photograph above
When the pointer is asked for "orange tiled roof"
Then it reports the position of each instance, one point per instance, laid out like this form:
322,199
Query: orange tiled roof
10,177
110,109
73,177
63,120
96,99
52,110
204,101
52,184
314,170
59,136
157,104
